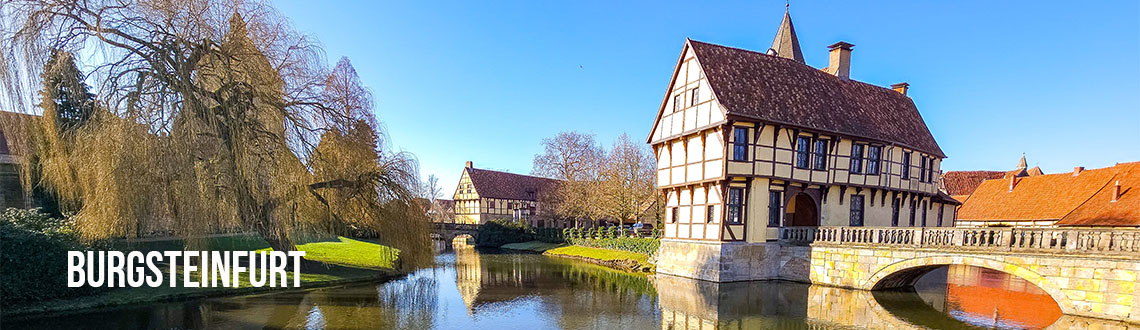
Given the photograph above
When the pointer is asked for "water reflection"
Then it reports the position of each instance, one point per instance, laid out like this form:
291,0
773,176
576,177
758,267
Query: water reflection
470,289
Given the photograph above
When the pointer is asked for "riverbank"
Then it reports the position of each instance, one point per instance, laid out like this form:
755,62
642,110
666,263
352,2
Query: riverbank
617,259
346,261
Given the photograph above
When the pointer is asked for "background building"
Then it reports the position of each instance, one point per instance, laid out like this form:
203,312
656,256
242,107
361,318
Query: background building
960,184
12,192
483,195
1104,197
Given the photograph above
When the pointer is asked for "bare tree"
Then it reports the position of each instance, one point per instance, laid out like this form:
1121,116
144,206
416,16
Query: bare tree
431,190
217,113
627,190
570,156
574,158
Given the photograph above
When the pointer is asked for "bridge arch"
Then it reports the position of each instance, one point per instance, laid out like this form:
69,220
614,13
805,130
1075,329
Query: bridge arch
906,272
463,237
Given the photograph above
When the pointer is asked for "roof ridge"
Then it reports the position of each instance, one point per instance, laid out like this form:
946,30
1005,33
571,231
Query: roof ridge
788,59
505,172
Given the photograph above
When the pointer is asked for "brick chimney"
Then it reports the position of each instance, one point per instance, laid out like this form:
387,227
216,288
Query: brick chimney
839,60
901,88
1077,170
1116,191
470,164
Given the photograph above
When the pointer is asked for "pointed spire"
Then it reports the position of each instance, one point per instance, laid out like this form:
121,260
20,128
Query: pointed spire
786,44
1022,165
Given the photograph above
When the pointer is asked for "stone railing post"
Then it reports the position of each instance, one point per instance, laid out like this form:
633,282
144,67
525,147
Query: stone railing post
1004,240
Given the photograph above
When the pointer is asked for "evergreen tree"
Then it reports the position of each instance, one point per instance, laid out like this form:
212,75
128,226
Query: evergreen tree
65,94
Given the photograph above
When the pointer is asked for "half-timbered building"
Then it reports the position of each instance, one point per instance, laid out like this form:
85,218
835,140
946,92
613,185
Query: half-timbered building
750,141
483,195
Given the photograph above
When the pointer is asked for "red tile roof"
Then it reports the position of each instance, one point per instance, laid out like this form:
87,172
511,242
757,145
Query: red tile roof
1100,210
957,183
768,88
1080,200
504,185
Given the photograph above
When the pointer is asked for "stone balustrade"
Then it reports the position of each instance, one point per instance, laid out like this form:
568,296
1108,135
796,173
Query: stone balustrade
1004,239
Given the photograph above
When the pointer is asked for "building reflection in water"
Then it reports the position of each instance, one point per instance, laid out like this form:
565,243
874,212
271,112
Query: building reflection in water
528,291
572,294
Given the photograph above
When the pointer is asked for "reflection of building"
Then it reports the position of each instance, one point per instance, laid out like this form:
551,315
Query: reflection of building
748,142
483,195
960,184
468,274
1104,197
971,291
693,304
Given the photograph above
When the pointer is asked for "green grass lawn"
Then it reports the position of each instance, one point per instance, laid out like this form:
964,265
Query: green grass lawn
600,254
536,246
350,252
331,250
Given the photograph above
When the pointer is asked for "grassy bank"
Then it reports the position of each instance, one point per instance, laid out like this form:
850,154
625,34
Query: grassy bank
535,246
623,260
347,260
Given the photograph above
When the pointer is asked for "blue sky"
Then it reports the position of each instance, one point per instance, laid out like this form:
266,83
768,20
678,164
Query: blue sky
487,80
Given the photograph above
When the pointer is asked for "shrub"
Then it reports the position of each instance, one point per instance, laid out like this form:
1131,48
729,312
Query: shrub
549,235
36,220
33,265
646,246
497,232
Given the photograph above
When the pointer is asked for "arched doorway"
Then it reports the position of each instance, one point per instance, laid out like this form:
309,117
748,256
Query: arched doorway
802,211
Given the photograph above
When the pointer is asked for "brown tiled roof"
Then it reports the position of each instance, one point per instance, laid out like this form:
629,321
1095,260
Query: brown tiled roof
964,182
1100,210
495,184
1073,200
773,89
1035,171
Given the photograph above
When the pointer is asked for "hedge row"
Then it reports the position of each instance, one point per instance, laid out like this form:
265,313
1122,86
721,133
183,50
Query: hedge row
644,245
604,232
33,265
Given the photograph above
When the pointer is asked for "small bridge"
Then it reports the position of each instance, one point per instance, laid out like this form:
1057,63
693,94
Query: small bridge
1088,272
451,231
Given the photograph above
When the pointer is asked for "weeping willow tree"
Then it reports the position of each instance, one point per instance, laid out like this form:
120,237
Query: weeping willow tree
211,115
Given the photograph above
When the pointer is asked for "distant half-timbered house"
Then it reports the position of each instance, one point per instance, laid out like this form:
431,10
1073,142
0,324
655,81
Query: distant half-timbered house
483,195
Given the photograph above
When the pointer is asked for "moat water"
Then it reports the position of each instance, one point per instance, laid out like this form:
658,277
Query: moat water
470,289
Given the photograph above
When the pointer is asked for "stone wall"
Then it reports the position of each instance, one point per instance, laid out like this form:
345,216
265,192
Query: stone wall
733,261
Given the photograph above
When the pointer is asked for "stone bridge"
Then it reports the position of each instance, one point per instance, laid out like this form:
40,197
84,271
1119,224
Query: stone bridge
1088,272
451,231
